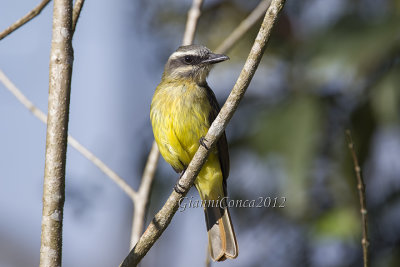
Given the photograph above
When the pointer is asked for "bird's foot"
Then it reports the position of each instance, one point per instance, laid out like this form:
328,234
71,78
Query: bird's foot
178,187
201,141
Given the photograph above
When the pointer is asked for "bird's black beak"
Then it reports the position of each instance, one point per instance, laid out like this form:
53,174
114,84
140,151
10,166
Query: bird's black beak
215,58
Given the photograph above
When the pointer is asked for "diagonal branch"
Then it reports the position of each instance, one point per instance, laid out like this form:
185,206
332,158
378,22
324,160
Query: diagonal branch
33,13
71,140
76,12
243,27
128,190
162,219
361,194
10,86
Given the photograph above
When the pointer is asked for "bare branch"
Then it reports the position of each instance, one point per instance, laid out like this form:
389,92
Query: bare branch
36,11
61,60
162,219
22,98
243,27
142,200
361,194
103,167
76,12
33,13
71,140
191,23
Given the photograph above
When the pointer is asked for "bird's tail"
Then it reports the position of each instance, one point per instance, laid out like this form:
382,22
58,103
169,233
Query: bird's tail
221,236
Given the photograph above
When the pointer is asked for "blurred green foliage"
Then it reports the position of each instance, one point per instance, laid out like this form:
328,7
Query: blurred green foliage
341,223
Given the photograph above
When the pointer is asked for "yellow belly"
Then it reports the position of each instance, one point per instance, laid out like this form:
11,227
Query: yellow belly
179,116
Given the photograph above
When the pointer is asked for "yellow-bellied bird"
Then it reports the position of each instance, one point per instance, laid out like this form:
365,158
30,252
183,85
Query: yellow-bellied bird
182,110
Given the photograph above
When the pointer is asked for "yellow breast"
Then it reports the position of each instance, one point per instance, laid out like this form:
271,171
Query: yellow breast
179,116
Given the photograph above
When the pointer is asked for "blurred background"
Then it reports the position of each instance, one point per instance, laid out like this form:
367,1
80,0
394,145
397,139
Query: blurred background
330,65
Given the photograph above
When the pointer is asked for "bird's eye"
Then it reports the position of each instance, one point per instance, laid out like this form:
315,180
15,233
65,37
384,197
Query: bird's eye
188,59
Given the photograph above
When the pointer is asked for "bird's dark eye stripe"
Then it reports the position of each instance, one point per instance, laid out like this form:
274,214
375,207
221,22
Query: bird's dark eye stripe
189,59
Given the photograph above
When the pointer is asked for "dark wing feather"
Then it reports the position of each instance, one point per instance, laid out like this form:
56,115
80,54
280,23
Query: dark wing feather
222,144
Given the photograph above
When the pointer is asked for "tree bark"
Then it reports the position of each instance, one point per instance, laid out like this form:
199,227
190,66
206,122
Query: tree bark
61,59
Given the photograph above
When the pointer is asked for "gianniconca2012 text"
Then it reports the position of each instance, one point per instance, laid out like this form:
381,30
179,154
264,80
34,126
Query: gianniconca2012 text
260,202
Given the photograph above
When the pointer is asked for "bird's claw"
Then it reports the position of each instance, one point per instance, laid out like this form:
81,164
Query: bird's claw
179,188
201,141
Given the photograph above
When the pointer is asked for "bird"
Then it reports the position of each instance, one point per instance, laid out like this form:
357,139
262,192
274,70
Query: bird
181,112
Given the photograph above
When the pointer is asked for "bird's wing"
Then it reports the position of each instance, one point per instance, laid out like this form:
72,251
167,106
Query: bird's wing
222,144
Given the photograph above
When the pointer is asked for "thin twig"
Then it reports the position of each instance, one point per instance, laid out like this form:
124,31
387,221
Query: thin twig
33,13
103,167
71,140
61,60
191,23
76,13
10,86
162,219
361,194
143,194
243,27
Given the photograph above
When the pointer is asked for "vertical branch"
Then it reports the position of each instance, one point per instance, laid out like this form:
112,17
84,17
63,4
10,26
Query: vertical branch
191,23
61,59
143,195
361,194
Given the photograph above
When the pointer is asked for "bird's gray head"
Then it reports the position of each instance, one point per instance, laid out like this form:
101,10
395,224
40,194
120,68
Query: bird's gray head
191,62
